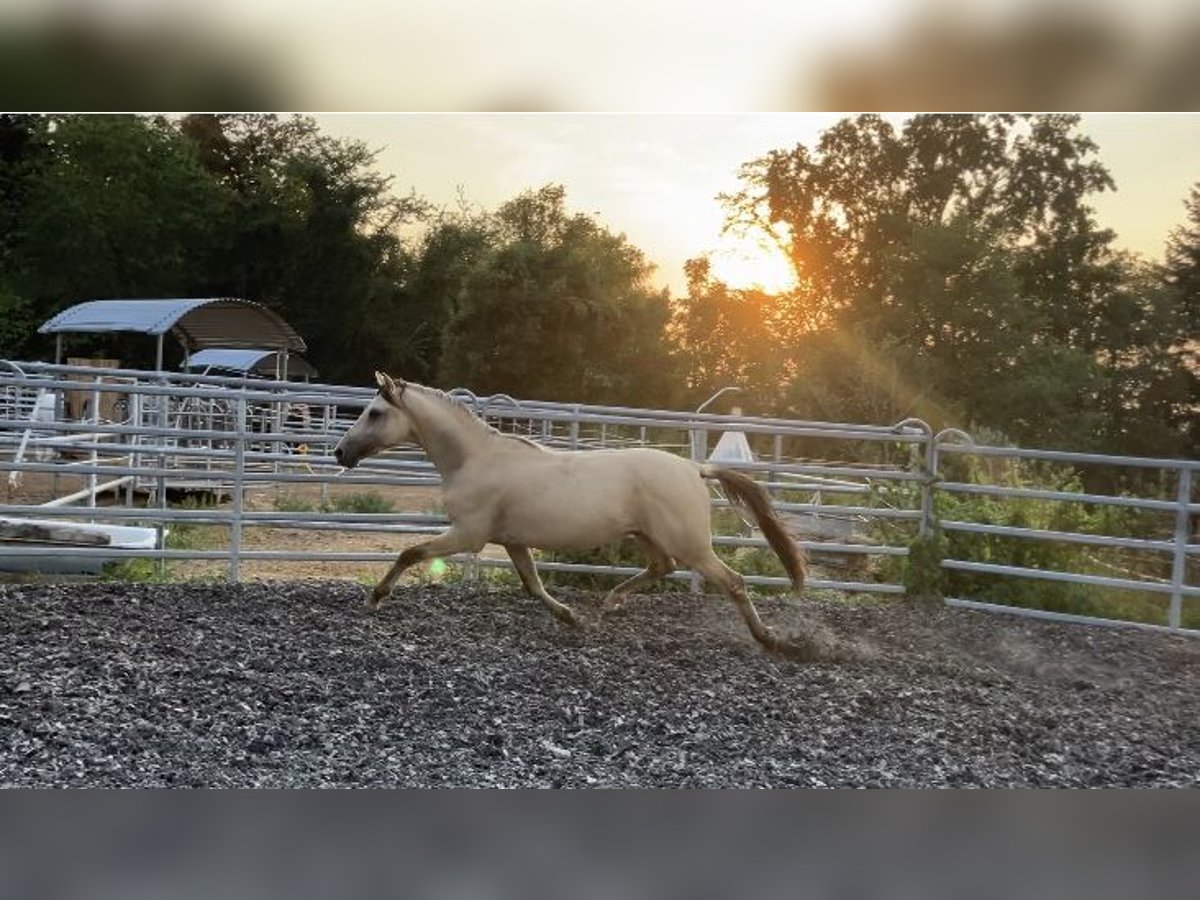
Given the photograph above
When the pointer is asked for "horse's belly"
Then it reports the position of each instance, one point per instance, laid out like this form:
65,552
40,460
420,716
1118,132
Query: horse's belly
558,529
578,501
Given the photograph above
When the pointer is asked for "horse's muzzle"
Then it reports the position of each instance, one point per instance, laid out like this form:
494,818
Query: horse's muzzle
343,458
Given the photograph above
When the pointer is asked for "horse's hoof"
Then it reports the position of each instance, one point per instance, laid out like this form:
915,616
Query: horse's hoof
567,617
612,608
374,602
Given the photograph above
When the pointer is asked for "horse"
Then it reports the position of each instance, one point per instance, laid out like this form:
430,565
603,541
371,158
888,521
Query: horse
508,490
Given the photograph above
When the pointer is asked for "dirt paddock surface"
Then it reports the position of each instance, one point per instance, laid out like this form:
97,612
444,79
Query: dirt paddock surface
294,684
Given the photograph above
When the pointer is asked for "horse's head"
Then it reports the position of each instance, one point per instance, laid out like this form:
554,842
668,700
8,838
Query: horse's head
383,424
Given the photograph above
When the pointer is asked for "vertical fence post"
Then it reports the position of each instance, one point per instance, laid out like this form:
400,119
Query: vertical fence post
777,450
94,456
161,483
239,484
1179,564
133,416
929,466
698,446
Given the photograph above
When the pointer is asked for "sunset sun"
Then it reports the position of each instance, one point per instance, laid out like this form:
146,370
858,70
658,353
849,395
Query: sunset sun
743,262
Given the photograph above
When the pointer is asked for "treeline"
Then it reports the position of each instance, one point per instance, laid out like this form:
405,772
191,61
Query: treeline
950,269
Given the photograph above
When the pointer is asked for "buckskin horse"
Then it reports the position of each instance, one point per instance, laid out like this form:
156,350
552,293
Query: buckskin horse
511,491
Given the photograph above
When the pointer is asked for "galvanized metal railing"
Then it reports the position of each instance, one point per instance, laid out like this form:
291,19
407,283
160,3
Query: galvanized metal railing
1174,549
231,437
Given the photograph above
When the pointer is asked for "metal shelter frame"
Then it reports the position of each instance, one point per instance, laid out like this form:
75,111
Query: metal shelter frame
197,323
239,361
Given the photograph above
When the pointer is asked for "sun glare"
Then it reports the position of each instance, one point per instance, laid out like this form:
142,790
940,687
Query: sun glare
746,263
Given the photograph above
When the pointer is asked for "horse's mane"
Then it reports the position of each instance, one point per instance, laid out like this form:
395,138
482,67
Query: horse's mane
459,408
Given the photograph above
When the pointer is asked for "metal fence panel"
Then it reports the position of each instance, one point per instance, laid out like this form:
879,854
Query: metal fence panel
853,492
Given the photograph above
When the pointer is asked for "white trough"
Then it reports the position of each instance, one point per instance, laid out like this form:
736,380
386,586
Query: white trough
23,545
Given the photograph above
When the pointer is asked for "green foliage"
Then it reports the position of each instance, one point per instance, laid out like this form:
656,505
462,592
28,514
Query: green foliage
924,577
1050,555
101,206
368,502
448,254
138,569
949,268
558,308
254,206
183,535
359,503
16,323
312,231
1178,344
294,503
952,269
725,337
194,536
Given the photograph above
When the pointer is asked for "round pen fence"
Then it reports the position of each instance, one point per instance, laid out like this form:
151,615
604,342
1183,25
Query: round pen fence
879,509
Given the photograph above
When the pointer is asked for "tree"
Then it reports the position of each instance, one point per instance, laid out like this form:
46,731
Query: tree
959,258
558,308
447,255
1181,270
102,206
724,336
1181,275
312,230
20,136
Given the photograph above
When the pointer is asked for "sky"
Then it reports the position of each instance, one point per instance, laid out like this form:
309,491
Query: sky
654,177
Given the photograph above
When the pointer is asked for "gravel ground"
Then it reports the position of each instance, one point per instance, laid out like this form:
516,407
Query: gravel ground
293,684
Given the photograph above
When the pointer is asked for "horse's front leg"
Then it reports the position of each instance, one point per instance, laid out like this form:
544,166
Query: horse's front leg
445,544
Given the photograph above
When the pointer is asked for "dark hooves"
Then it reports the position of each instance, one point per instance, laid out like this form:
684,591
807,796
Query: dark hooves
567,617
817,648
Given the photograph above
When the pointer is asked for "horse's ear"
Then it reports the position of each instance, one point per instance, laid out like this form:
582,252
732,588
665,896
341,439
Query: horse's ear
390,390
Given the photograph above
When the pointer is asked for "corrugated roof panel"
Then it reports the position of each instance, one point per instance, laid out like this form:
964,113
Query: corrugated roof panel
197,323
225,358
262,362
146,316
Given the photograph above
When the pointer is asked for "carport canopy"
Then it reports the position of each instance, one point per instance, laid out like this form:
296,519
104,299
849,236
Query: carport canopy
197,324
260,362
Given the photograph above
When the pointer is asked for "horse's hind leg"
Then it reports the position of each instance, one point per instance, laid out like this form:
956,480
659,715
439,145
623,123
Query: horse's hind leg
527,569
716,572
660,565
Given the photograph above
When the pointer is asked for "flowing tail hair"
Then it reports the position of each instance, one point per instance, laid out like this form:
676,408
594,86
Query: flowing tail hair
746,493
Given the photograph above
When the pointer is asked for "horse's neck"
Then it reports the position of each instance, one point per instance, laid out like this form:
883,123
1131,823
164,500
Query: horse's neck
448,433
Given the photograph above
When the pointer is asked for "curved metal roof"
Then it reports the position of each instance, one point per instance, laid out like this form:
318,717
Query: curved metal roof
196,323
261,362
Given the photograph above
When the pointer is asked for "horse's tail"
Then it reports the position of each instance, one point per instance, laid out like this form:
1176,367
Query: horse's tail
746,493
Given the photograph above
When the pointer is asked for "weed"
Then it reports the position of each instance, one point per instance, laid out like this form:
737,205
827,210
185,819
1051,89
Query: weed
138,569
350,503
293,503
359,503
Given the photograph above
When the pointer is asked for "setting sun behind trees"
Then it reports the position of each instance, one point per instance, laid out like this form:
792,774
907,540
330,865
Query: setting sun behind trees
746,262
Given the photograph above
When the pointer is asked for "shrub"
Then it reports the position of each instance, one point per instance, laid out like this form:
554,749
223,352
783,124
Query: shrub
359,503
